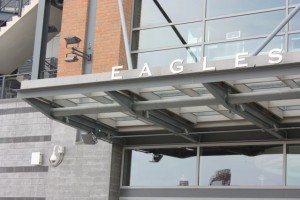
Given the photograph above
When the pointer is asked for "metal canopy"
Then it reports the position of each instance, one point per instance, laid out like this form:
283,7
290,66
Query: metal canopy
177,108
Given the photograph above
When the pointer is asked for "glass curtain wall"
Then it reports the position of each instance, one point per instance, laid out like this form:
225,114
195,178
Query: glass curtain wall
251,165
165,30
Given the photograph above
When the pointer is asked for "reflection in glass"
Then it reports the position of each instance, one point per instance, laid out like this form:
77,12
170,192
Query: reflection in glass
168,36
230,49
165,57
242,165
243,26
176,10
293,164
161,167
294,42
295,22
294,1
217,7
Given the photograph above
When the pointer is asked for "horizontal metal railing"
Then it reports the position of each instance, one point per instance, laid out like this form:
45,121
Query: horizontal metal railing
11,8
9,84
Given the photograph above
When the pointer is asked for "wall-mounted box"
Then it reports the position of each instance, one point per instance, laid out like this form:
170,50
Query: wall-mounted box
36,158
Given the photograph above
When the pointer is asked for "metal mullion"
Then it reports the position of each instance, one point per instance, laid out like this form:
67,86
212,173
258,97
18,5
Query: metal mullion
165,25
166,48
198,166
287,26
246,13
294,32
132,28
284,167
203,29
243,39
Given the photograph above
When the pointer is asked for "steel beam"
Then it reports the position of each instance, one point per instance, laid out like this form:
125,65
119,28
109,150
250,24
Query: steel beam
75,85
276,30
125,36
180,102
41,38
96,128
248,112
160,118
90,35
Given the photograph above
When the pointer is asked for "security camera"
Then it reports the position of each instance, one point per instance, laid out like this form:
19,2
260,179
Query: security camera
57,155
53,158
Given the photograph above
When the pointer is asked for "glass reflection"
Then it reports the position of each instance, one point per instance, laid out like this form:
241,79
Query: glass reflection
176,10
162,167
241,166
243,26
217,7
295,22
294,42
293,164
165,57
168,36
294,1
230,49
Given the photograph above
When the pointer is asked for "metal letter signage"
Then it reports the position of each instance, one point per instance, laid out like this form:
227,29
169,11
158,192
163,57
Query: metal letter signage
176,66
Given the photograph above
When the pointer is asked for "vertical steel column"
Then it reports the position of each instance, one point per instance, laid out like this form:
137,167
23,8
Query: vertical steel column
125,36
41,38
276,30
92,12
2,87
20,8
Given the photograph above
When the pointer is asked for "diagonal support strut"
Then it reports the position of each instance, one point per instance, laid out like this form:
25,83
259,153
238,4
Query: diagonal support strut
159,118
247,111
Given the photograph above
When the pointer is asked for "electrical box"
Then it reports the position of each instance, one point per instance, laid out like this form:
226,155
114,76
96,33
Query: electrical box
36,158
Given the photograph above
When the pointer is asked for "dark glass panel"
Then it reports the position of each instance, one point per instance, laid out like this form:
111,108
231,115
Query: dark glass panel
293,165
148,13
242,166
161,167
230,49
243,26
217,7
168,36
165,57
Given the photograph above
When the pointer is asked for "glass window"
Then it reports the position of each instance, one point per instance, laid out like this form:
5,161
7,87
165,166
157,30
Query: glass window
242,166
294,1
294,42
150,12
295,22
217,7
168,36
293,164
230,49
165,57
161,167
243,26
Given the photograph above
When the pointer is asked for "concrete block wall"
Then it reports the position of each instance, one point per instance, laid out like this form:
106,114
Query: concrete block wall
23,130
87,172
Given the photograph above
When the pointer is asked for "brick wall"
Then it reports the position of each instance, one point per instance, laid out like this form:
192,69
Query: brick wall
108,43
74,22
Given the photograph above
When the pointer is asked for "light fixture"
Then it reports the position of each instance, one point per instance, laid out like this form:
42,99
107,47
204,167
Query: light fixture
57,155
72,40
71,58
156,157
73,43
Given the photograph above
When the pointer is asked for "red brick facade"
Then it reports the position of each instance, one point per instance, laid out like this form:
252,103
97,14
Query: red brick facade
108,44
